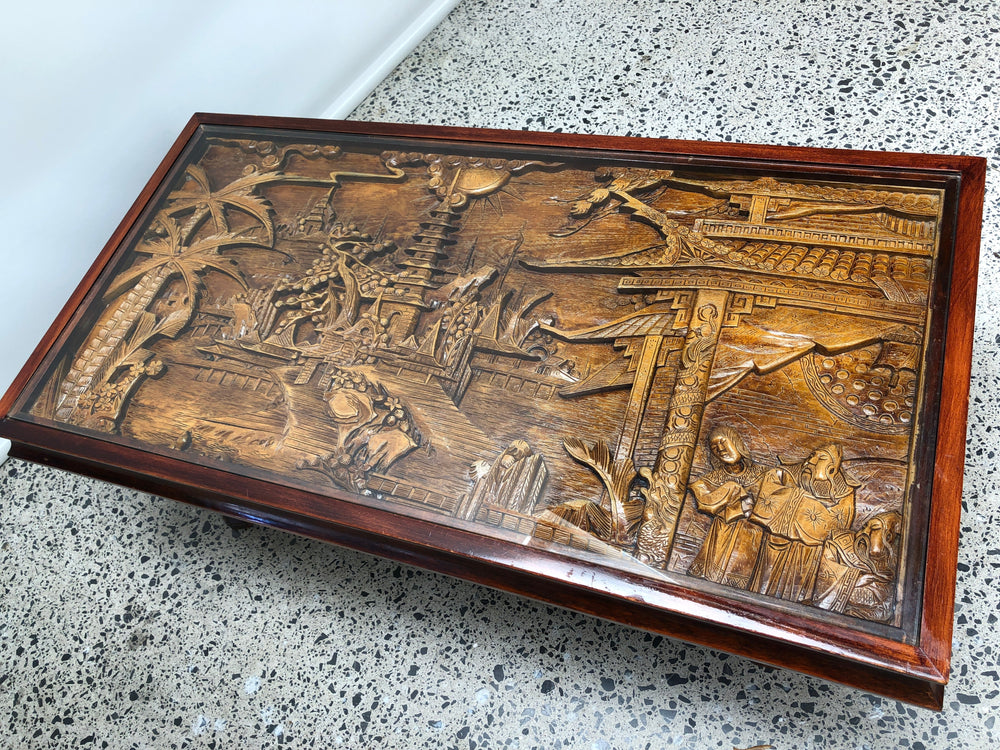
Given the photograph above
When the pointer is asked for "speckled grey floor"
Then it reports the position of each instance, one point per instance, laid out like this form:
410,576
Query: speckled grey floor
131,621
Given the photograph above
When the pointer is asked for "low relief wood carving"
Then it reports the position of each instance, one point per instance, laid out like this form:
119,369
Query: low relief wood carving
704,376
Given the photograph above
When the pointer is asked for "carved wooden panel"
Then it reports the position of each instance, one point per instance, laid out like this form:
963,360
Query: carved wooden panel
713,377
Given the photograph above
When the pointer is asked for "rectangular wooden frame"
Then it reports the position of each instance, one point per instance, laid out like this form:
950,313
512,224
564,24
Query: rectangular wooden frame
914,671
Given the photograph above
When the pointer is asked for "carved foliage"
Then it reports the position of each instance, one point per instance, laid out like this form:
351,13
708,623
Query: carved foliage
617,478
176,249
372,430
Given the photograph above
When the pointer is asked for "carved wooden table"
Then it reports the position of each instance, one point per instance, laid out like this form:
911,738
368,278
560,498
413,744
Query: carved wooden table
713,391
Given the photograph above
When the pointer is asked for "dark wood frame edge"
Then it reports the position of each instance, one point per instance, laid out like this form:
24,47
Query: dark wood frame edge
941,566
918,689
76,298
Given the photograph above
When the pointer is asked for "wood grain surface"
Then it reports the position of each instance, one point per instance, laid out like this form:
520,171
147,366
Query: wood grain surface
716,391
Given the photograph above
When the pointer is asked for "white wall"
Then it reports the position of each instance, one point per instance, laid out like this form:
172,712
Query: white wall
92,94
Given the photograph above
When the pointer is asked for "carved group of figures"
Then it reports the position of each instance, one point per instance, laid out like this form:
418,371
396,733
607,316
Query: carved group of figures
786,531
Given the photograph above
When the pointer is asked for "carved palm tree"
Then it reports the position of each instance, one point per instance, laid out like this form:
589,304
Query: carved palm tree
118,341
198,201
179,247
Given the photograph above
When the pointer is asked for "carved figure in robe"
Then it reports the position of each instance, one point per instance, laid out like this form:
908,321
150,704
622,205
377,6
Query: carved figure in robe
857,574
800,507
514,480
730,548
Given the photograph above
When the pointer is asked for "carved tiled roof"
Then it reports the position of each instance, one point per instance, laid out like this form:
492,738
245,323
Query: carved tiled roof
824,262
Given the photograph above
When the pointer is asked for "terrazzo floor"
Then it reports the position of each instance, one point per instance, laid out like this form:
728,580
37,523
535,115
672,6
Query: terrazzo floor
128,621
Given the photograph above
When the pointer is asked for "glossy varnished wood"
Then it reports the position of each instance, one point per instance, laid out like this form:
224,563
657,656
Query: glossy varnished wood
904,656
873,664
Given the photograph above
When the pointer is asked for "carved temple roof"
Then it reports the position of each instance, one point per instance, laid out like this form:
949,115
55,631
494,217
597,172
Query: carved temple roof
858,259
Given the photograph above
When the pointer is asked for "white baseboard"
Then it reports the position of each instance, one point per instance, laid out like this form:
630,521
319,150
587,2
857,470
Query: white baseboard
4,450
388,60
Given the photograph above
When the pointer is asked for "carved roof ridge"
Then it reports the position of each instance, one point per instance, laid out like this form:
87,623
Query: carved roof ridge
921,203
612,260
656,318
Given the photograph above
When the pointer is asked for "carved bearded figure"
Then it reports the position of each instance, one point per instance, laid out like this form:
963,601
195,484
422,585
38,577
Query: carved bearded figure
857,574
799,508
495,478
729,550
513,481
